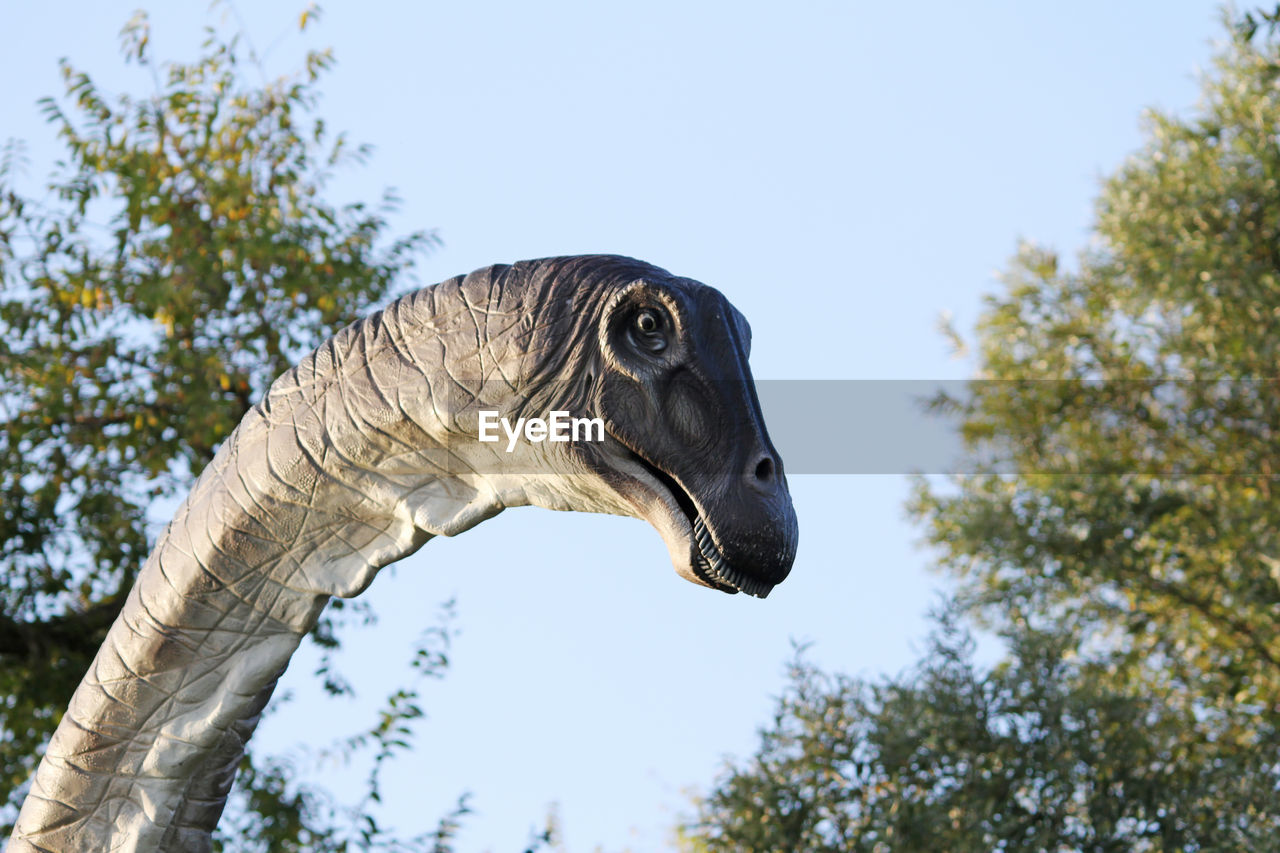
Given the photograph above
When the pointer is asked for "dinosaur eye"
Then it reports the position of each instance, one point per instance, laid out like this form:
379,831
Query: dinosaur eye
647,331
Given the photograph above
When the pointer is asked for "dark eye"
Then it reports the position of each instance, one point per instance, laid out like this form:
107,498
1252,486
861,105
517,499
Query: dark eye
647,330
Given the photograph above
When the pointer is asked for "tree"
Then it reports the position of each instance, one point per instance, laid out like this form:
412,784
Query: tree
1134,404
187,255
1120,527
1045,751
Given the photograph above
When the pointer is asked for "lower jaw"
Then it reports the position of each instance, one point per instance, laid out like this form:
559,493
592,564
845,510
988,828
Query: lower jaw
708,565
712,570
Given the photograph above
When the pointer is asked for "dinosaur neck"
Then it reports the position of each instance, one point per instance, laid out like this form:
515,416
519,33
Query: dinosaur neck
352,461
319,487
235,582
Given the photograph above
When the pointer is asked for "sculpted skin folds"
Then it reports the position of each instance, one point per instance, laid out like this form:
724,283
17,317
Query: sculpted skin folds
625,390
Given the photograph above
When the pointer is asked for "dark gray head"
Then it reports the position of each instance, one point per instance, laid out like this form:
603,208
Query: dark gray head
662,360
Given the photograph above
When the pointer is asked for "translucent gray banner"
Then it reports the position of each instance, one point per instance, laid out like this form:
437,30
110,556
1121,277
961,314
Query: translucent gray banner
1169,428
1166,427
862,426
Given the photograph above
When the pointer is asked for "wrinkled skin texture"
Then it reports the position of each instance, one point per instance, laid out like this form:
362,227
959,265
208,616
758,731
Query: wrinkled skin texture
363,452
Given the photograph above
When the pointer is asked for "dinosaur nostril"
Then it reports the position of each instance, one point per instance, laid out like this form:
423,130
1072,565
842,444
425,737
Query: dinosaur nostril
764,470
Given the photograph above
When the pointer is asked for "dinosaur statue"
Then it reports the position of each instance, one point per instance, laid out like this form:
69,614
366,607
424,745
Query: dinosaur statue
363,452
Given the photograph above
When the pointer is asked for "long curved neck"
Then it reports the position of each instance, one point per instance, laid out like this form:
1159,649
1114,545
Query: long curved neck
327,480
352,461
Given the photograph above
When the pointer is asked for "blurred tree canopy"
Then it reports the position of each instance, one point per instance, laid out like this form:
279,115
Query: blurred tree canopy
1121,530
1129,411
184,254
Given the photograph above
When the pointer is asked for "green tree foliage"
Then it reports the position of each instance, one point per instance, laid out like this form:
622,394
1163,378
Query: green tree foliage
1134,402
1046,751
184,254
1121,529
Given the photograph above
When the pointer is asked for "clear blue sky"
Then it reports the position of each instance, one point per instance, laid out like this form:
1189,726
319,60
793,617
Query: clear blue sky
844,172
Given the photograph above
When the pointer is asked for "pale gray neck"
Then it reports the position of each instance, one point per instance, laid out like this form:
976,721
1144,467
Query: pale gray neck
336,474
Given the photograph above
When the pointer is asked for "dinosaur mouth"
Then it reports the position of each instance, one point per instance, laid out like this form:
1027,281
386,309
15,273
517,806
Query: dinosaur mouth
708,564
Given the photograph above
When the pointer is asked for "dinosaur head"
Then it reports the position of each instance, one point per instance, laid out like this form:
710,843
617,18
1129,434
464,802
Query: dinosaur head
658,362
692,450
662,361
